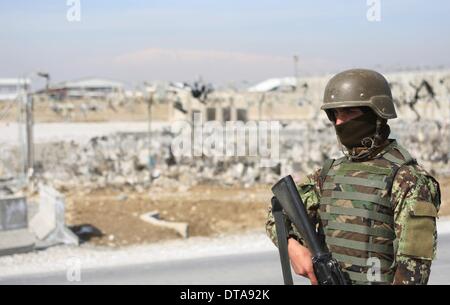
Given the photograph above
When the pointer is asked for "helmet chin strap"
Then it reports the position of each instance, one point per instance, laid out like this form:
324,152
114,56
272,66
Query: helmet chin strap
369,144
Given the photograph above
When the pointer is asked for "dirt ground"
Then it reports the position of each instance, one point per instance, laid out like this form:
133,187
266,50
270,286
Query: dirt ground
209,210
71,111
132,111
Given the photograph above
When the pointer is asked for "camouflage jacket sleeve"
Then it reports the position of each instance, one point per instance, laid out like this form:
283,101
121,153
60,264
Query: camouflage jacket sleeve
416,201
310,194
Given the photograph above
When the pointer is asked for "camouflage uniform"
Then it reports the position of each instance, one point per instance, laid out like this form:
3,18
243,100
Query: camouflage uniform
415,200
374,209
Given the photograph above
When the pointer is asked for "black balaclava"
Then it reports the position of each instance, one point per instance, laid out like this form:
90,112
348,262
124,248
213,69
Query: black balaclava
365,131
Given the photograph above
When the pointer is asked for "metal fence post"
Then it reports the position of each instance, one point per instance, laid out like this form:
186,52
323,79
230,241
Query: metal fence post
30,138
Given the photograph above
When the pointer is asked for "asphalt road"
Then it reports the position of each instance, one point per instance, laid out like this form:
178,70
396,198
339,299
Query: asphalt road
255,268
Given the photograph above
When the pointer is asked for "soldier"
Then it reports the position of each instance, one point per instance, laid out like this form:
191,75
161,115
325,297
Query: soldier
375,208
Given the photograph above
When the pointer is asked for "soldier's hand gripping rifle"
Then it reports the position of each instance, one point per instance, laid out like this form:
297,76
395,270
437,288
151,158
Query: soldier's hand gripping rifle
287,198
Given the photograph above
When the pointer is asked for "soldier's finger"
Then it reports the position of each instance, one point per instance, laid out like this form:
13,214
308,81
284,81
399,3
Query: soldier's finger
301,271
312,278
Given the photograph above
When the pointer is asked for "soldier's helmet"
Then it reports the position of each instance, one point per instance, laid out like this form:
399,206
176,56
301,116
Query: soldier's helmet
359,88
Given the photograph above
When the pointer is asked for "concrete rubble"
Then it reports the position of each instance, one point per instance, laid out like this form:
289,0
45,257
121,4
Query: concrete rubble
182,228
48,224
125,159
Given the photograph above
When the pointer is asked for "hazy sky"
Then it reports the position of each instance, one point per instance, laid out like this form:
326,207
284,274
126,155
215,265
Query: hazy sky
222,41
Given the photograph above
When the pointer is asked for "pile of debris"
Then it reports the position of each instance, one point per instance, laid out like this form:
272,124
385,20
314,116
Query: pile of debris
127,159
